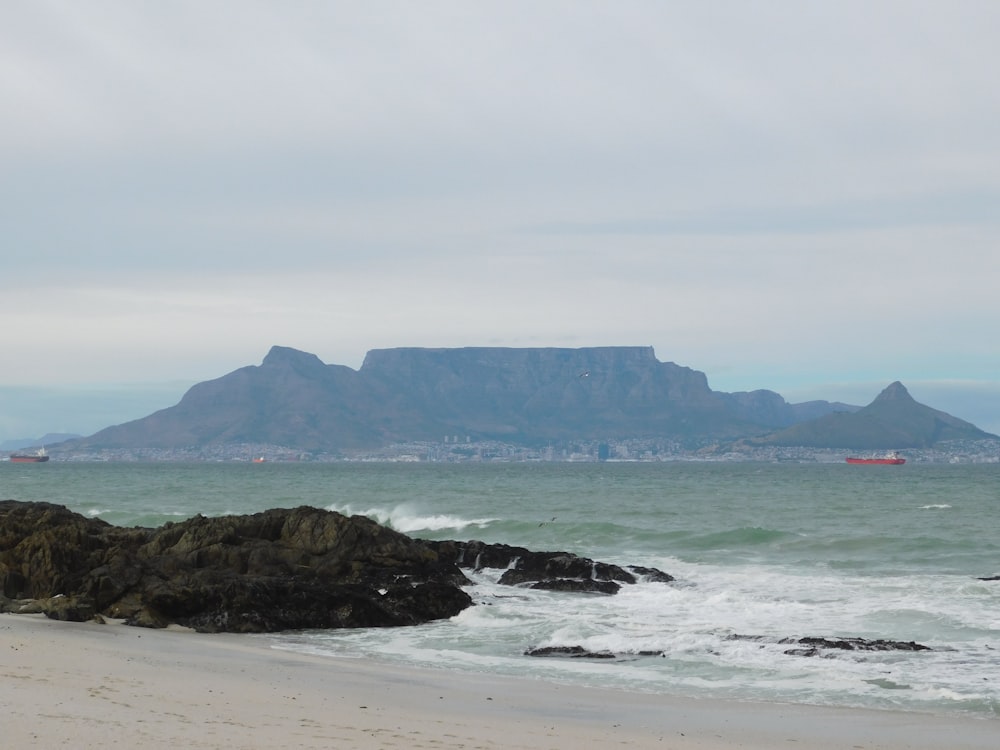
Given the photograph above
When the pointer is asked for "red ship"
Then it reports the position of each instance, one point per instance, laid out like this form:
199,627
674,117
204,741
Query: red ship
29,458
892,459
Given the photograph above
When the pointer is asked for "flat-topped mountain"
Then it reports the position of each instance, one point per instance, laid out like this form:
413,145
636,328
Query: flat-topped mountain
528,396
893,420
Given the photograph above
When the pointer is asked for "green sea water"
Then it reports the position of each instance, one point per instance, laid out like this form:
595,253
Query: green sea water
771,551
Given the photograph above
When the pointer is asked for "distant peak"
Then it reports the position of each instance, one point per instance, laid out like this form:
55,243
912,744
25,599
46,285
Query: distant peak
287,355
895,391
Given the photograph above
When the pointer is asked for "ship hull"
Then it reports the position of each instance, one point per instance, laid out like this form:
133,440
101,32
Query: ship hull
28,459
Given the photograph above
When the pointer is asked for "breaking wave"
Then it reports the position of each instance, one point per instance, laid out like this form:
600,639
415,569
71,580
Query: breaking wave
407,520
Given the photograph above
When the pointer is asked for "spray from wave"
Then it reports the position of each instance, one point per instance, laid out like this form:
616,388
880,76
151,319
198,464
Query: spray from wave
406,519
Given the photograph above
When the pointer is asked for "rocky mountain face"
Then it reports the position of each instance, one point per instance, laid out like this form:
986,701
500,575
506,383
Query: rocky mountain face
519,396
894,420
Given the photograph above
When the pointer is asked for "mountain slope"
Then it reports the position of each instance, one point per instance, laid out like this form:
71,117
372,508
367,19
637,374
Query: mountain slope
893,420
523,396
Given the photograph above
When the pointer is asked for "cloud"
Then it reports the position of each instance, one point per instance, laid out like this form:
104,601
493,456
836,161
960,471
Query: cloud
768,191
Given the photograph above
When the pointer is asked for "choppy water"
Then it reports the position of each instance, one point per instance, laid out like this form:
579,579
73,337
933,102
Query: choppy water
771,550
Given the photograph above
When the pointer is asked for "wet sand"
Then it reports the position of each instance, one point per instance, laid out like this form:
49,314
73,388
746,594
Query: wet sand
90,685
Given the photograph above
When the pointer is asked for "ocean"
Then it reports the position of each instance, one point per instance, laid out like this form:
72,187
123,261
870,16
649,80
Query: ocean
762,551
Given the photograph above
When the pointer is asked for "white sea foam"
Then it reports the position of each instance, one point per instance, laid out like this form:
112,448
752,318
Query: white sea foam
408,520
683,638
935,506
113,513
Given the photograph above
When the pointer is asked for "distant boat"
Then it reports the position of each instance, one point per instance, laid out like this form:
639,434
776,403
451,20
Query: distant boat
891,459
258,460
39,456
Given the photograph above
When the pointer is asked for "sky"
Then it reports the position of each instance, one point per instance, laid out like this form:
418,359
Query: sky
799,196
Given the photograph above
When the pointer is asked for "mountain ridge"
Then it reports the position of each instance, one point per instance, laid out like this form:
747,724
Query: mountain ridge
893,420
523,396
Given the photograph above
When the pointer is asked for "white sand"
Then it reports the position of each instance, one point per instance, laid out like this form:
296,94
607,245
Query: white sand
96,686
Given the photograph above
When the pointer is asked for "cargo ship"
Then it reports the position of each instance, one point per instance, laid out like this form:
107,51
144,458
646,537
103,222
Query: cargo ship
891,459
37,457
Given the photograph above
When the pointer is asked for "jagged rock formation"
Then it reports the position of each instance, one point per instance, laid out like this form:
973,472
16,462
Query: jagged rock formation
277,570
573,652
817,645
553,571
518,396
812,646
893,420
281,569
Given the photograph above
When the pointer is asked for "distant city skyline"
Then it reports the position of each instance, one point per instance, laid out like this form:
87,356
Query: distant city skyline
798,197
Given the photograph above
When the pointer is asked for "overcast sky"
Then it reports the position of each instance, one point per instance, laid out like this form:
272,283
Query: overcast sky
801,196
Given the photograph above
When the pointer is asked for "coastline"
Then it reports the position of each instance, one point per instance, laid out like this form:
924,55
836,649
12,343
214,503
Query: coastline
87,684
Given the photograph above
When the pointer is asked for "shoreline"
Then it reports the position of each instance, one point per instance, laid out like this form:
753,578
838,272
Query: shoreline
86,685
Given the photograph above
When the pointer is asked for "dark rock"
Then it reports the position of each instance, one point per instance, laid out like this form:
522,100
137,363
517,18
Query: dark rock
280,569
46,549
277,570
574,652
579,652
860,644
19,606
561,571
989,578
68,608
651,575
816,645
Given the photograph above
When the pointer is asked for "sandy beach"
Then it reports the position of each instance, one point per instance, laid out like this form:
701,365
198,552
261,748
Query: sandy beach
92,685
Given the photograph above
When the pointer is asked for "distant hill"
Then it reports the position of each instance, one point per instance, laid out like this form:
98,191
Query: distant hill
893,420
47,439
519,396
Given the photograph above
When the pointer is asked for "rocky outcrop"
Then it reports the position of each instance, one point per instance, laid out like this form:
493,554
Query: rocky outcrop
811,646
816,645
555,571
59,607
571,652
276,570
